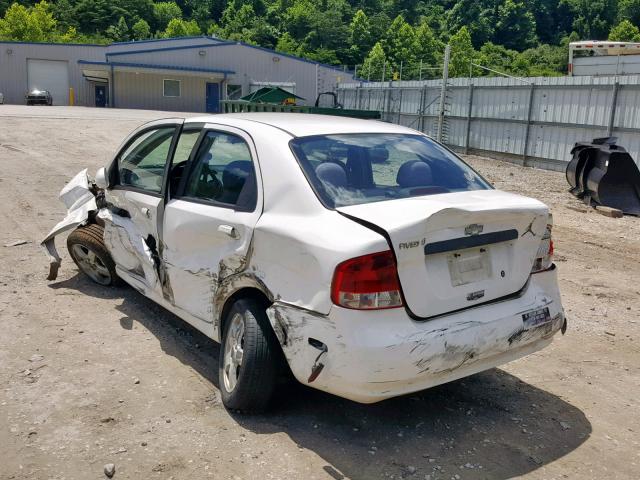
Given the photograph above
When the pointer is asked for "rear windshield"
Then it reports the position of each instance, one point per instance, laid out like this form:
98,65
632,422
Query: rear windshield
352,169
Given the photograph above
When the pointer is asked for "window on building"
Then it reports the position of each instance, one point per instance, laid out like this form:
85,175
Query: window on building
171,88
234,92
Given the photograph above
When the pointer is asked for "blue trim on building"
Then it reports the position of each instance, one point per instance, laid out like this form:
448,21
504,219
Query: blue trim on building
158,67
55,43
166,49
132,42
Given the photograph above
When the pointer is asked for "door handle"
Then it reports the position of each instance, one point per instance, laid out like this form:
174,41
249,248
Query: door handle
146,212
229,230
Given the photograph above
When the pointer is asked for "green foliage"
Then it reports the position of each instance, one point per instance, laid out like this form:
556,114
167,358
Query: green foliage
399,44
141,30
516,26
625,31
593,18
629,10
119,32
33,24
164,12
181,28
374,64
462,53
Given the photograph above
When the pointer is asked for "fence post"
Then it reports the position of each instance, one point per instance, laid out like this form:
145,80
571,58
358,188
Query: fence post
399,106
443,92
527,129
466,142
614,104
423,99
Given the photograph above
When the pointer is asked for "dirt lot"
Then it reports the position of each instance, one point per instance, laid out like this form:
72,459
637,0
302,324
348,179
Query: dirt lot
91,376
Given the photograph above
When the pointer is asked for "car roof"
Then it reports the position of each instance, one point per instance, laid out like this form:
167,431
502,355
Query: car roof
303,124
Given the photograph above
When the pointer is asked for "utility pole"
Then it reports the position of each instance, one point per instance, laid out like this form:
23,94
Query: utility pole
443,92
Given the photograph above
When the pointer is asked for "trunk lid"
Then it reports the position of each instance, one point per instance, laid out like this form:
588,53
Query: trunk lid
460,249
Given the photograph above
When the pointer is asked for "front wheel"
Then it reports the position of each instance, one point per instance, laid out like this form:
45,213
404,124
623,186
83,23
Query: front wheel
86,247
249,361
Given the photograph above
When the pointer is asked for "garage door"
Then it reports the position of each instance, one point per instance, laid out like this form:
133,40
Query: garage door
52,75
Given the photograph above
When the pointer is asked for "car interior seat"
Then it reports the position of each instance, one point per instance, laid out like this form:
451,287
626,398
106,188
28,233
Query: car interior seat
359,171
234,177
414,173
332,173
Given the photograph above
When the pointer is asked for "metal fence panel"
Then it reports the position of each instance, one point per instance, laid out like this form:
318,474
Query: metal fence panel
537,120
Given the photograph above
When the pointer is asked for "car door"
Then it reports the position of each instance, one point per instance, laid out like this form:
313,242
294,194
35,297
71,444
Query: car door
209,221
135,203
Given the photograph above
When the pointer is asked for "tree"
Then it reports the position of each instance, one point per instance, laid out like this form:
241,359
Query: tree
497,57
34,24
625,31
462,53
181,28
375,64
141,30
629,10
164,12
479,16
427,49
119,32
359,37
593,19
399,44
238,24
286,44
516,27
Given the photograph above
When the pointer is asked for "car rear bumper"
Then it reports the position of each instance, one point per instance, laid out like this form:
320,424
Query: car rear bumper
380,354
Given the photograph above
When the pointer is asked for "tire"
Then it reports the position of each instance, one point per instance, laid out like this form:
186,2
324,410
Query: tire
257,373
86,247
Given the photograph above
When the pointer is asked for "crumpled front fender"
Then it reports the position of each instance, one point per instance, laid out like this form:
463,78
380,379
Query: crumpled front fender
80,202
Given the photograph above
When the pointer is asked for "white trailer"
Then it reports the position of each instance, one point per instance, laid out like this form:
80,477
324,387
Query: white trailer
591,57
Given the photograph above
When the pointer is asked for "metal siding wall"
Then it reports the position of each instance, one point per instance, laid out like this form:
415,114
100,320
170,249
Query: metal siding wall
250,64
564,110
145,91
13,68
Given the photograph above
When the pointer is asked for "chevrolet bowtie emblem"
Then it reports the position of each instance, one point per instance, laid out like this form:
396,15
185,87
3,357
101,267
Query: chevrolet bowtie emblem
473,229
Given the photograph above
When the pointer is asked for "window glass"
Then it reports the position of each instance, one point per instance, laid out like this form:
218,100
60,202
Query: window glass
185,145
171,88
363,168
142,164
223,171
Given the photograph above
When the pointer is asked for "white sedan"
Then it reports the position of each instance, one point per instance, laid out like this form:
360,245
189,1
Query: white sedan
366,258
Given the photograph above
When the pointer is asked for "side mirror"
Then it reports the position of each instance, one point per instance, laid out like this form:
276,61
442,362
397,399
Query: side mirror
101,178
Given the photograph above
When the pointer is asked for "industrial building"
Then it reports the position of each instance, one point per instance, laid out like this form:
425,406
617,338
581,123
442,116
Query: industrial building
179,74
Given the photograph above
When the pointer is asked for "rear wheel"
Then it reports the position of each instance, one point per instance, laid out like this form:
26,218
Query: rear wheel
86,247
249,362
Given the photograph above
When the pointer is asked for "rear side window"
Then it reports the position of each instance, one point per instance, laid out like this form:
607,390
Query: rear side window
143,162
352,169
223,172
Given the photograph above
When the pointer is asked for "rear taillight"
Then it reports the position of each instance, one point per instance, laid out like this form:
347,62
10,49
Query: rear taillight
544,257
369,282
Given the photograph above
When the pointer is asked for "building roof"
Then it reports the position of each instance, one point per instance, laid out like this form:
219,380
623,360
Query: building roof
302,125
151,66
210,42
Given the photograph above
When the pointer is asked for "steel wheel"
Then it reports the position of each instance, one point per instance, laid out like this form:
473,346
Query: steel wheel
91,264
233,352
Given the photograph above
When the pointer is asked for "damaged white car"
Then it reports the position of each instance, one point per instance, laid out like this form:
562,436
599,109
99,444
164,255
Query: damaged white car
365,256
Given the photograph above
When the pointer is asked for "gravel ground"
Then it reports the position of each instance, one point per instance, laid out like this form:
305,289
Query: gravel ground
91,376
